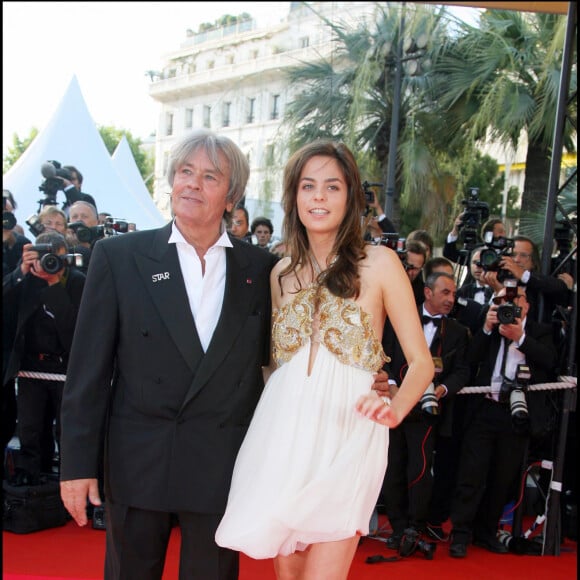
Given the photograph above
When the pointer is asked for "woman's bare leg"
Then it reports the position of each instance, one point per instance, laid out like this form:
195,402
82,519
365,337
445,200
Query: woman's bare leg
328,560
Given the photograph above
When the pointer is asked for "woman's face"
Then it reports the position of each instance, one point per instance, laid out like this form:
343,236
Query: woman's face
322,195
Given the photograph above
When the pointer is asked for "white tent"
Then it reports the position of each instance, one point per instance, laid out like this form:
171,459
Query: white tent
72,138
124,163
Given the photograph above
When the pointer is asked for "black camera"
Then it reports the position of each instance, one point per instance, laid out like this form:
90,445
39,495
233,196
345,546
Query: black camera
508,311
514,393
34,225
490,257
87,234
429,402
393,241
53,173
52,263
474,214
412,542
114,226
8,218
369,194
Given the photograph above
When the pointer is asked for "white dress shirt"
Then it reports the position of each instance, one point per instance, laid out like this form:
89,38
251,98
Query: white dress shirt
204,291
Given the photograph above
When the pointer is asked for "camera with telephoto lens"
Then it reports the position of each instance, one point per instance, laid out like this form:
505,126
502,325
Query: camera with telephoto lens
114,226
428,401
491,256
508,311
412,542
474,214
514,393
395,242
111,227
8,218
87,234
51,262
53,173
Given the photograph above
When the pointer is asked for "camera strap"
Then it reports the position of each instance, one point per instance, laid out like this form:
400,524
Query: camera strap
499,374
506,345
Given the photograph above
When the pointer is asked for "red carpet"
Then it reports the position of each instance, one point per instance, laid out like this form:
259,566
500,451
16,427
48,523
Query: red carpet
72,553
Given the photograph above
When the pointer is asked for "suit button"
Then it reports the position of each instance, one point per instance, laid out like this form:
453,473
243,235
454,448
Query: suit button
144,332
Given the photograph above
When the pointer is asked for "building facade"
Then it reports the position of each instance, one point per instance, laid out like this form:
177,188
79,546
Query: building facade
232,79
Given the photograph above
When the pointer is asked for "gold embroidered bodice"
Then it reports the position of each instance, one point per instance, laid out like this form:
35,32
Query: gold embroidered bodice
343,327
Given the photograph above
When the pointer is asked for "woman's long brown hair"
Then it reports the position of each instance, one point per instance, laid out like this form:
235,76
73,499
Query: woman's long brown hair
341,277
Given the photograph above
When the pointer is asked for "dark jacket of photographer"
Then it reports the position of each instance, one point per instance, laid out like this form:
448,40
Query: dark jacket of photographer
450,344
46,318
541,356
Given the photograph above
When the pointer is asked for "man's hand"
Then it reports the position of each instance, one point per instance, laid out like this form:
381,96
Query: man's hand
74,494
381,384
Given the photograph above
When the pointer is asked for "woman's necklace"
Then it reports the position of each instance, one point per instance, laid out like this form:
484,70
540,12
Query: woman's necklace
316,266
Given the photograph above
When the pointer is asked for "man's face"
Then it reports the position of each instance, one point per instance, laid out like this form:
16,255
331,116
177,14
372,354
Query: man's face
54,222
82,213
440,299
198,196
263,235
522,254
476,269
416,263
239,224
499,230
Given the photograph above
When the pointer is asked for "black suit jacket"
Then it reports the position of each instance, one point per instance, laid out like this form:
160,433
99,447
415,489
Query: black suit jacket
541,356
23,296
450,343
174,416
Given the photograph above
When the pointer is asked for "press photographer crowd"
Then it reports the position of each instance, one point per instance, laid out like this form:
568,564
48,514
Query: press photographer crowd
458,463
43,278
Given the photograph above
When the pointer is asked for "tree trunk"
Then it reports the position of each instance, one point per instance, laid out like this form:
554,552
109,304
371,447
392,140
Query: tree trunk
536,179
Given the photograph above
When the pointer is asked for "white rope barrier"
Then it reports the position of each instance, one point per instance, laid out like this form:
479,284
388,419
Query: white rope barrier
565,382
42,376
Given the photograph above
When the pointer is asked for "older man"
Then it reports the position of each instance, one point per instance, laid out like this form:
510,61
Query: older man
172,372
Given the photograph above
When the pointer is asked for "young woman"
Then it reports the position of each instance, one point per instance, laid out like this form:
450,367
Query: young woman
311,466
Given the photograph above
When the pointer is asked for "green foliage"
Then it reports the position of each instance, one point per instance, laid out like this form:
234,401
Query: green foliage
500,81
222,21
18,147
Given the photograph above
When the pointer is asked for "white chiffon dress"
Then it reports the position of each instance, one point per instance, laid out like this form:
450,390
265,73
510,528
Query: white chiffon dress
310,468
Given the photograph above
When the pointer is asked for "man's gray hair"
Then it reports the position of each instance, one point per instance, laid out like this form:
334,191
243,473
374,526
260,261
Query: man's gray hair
213,144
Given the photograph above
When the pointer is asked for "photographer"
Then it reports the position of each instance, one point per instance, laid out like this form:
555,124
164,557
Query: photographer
44,293
84,219
465,230
65,179
498,425
523,265
380,221
12,244
414,258
408,480
12,240
73,186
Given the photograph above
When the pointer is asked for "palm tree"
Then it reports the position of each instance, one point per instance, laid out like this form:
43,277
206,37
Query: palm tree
500,81
350,97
